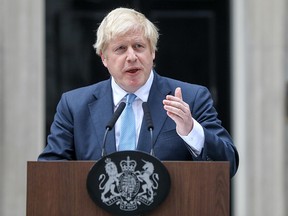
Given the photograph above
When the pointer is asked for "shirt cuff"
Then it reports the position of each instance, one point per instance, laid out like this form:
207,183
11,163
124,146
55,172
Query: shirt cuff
195,139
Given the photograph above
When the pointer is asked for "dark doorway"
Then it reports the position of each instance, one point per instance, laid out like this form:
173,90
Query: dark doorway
193,47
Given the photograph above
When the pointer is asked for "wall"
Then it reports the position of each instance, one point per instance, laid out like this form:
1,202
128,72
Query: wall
259,73
259,67
21,98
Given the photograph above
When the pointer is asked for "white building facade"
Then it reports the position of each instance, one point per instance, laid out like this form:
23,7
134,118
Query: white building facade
260,75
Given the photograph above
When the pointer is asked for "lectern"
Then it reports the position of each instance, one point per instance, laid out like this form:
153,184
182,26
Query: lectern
59,189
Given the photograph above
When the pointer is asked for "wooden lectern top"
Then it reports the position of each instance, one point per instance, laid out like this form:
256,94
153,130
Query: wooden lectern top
59,188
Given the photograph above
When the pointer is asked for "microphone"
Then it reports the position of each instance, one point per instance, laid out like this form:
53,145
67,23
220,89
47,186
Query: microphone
116,115
111,124
149,122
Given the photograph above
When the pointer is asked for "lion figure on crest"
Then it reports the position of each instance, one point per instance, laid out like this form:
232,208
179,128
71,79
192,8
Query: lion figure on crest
112,182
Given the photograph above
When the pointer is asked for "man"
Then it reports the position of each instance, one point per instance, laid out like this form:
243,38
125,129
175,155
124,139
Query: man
185,122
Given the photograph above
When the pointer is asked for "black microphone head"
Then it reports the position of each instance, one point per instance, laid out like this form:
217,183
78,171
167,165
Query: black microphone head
147,116
116,115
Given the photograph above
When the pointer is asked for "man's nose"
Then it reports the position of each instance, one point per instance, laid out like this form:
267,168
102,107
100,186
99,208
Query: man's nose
131,54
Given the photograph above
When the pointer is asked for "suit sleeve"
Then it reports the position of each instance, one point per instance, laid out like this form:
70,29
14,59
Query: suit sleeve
218,145
60,144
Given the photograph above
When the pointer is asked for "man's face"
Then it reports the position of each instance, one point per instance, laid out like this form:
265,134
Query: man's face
129,60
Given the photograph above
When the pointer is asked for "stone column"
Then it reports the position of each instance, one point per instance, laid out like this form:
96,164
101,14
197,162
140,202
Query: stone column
21,97
258,99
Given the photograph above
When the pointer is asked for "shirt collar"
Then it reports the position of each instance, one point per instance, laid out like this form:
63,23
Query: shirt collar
142,92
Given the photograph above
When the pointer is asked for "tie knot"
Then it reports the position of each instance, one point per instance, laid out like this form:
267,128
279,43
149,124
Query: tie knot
130,98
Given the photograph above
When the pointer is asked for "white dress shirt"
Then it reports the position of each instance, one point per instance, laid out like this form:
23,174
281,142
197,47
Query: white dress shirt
195,139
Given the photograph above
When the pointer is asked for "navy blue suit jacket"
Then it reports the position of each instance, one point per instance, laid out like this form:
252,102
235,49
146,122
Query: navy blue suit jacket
82,115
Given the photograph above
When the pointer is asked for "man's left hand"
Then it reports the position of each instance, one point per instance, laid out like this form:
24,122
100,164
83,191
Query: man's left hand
179,112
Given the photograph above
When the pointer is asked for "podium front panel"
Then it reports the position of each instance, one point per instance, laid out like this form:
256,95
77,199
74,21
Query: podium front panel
59,188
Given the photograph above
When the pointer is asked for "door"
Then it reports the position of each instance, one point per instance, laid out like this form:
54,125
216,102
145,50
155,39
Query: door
194,45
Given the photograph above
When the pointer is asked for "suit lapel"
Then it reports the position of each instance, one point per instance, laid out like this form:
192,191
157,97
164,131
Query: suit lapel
157,94
101,111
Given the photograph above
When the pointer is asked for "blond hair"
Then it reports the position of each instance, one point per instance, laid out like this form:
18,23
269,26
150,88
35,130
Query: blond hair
120,21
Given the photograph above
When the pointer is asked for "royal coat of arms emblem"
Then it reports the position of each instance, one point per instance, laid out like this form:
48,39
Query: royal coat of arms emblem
129,183
130,187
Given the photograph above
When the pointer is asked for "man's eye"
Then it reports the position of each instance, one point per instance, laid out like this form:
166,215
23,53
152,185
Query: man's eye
139,46
120,49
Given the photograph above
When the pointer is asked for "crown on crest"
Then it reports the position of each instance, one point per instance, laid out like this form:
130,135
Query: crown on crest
128,165
107,160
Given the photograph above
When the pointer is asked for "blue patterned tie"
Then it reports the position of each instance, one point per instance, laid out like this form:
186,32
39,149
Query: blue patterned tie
128,128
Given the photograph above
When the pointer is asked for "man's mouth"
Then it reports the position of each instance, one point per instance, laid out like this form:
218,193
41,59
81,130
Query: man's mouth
132,70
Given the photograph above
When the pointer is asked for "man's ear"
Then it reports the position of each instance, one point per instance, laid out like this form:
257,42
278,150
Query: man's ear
103,58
